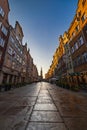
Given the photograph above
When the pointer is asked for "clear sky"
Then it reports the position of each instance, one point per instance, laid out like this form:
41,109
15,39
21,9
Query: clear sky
42,22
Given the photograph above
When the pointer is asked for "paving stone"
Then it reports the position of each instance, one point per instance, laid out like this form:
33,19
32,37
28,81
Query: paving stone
5,106
25,103
19,126
45,116
76,123
5,122
43,95
16,107
44,91
44,101
34,94
48,107
72,110
16,110
43,88
18,123
47,97
31,98
46,126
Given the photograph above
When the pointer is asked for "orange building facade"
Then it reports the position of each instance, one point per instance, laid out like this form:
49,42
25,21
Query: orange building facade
72,50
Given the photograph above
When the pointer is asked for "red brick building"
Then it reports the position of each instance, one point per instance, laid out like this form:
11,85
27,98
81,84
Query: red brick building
4,32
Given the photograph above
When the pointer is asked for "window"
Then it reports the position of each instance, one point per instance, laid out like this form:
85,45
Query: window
17,57
16,45
72,50
0,54
10,50
23,62
13,54
21,52
8,61
20,60
12,39
67,52
83,2
77,28
73,34
69,65
0,24
75,46
80,41
2,42
19,49
85,28
17,38
75,62
20,42
1,12
83,17
71,38
84,57
79,60
4,30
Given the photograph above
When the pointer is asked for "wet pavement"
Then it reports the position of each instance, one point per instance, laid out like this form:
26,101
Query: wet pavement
43,106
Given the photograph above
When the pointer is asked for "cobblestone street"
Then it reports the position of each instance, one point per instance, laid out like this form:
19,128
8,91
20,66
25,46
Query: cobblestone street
43,106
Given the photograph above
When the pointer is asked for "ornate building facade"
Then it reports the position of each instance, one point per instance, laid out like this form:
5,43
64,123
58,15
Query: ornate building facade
16,63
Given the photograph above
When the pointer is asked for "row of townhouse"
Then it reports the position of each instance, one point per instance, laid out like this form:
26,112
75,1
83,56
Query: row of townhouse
16,63
71,54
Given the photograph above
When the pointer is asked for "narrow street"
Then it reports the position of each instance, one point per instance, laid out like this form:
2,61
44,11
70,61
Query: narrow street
43,106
